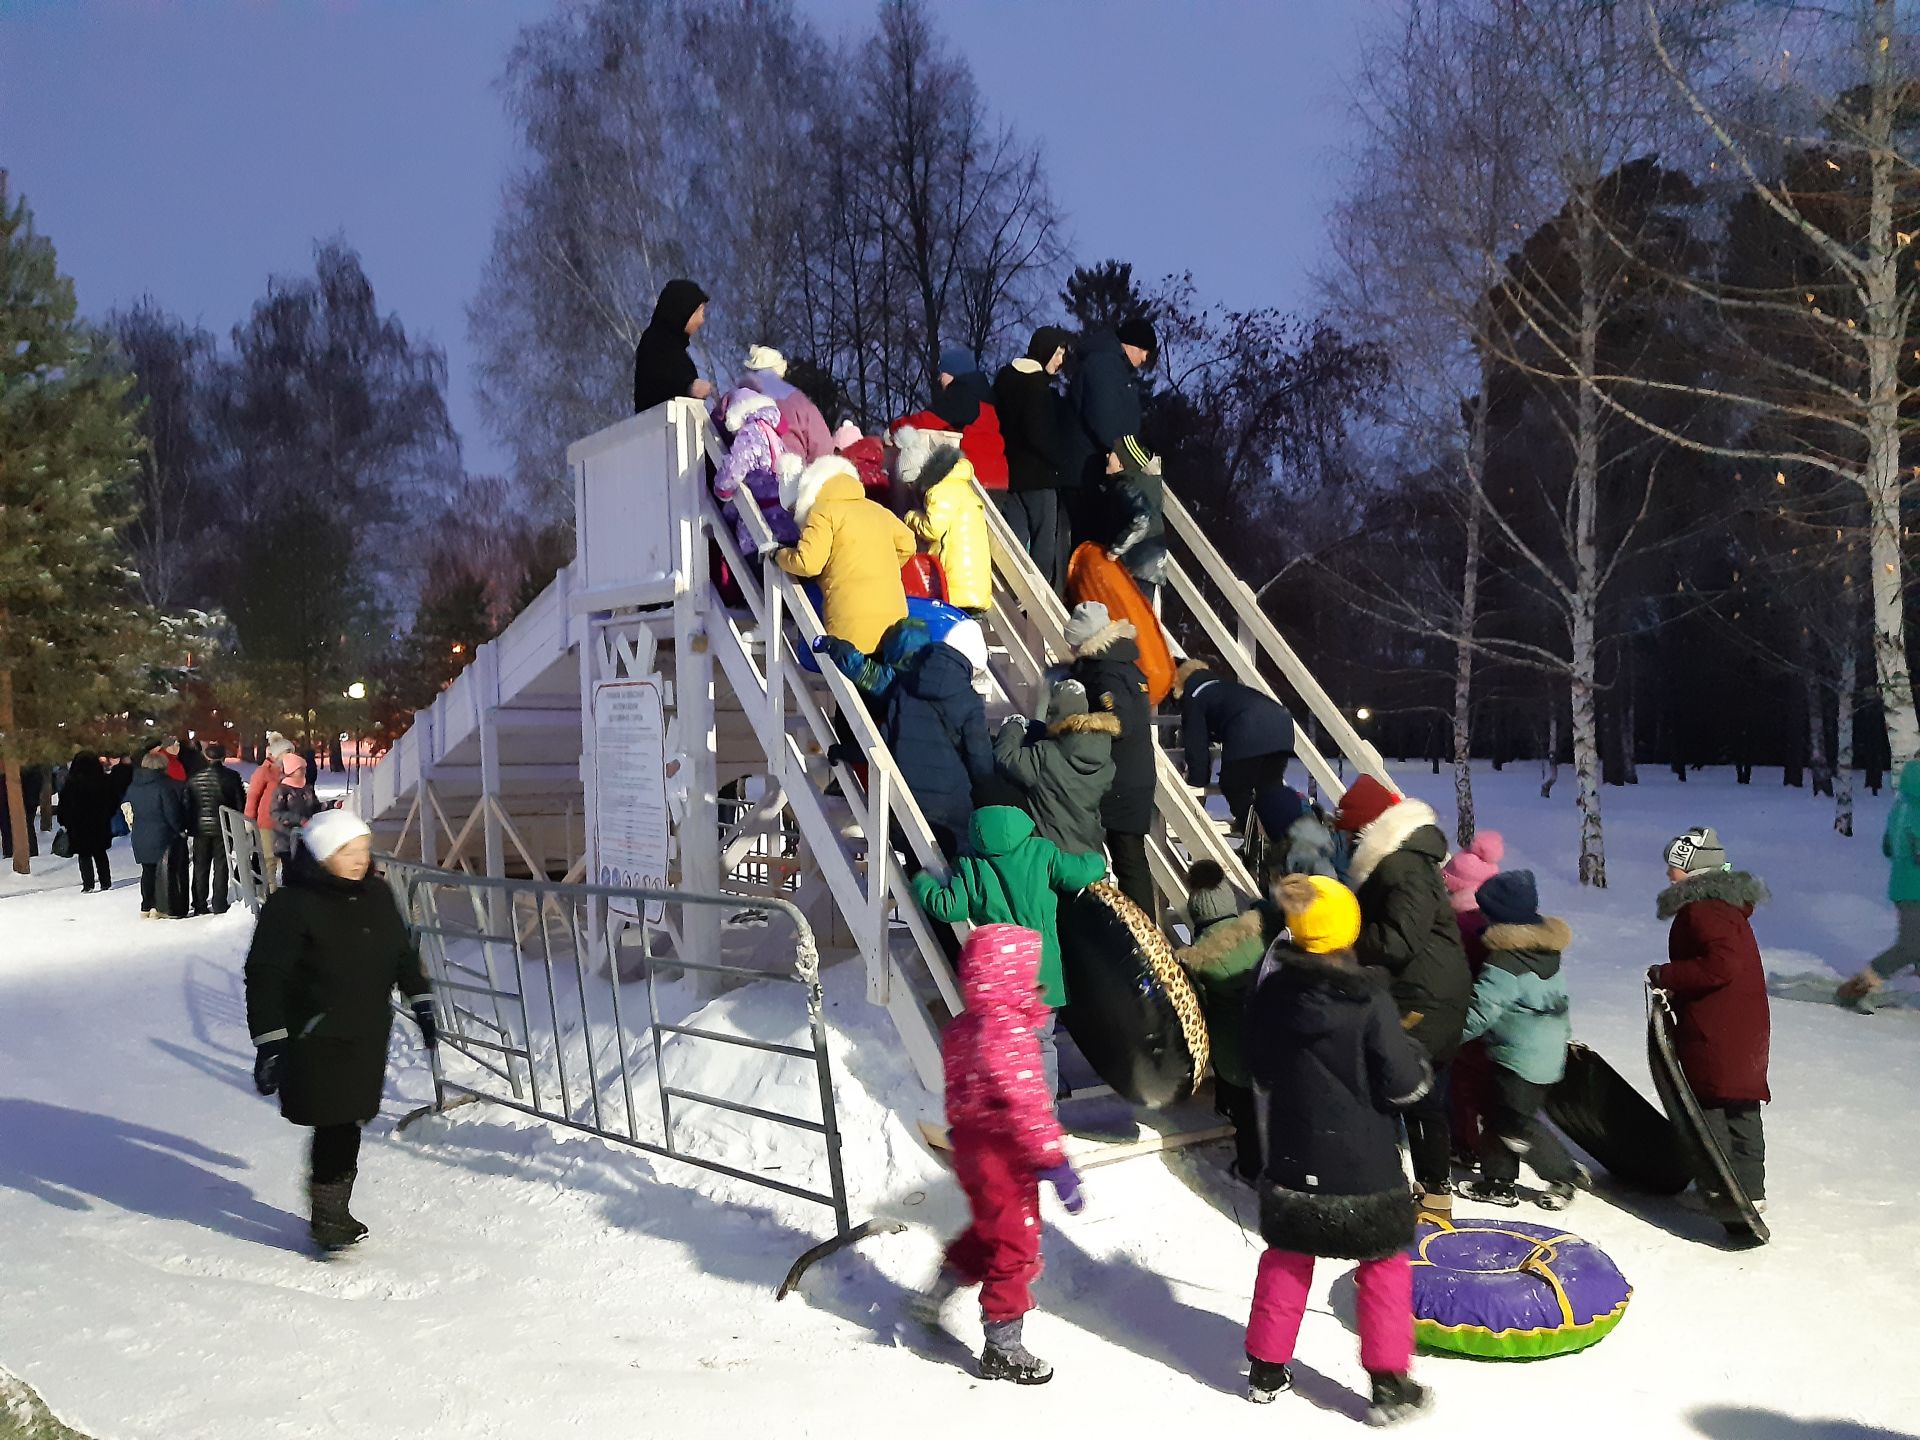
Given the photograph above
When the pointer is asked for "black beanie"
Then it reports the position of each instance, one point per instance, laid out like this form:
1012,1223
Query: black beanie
1137,331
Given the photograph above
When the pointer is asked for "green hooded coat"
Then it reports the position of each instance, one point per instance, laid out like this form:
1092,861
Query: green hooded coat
1901,843
1009,875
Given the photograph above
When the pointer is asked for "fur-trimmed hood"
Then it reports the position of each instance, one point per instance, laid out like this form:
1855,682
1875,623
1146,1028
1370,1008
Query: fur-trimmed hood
1104,640
1550,935
1096,722
1736,887
946,462
1390,833
1188,670
812,482
1216,945
743,404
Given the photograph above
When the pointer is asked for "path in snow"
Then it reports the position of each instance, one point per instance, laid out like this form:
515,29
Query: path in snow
526,1282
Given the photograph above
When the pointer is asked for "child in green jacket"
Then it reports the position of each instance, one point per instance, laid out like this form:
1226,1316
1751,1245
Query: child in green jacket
1009,875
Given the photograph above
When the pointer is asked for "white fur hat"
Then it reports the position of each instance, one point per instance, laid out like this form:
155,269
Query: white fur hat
327,831
765,357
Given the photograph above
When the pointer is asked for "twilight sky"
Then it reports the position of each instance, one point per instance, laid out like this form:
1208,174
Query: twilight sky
189,150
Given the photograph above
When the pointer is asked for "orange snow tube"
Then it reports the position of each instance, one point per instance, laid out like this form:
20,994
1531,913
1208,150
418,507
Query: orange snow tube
1092,576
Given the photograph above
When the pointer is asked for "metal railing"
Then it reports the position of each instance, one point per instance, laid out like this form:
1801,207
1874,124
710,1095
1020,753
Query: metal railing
532,986
249,858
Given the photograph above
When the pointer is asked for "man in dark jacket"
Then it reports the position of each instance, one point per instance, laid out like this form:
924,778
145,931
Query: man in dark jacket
1718,988
211,788
160,837
1409,932
1065,771
1106,661
1255,736
87,806
935,724
662,368
1120,506
1036,427
329,950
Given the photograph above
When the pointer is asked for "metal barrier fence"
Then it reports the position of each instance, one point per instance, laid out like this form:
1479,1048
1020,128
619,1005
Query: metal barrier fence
531,984
249,859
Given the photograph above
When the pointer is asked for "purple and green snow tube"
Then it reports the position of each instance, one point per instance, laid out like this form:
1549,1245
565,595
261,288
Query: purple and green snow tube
1505,1290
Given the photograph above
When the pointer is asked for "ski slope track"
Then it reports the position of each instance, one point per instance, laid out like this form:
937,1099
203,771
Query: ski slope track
526,1282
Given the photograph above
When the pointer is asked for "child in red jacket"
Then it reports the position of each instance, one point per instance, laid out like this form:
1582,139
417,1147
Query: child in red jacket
1005,1141
1718,988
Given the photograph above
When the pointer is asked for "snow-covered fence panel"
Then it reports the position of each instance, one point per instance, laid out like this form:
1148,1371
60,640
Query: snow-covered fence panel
546,1008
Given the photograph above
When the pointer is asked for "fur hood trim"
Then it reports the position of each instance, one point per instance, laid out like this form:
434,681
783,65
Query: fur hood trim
1386,835
744,404
1218,942
1185,671
1094,722
1106,639
1550,935
1736,887
945,463
812,480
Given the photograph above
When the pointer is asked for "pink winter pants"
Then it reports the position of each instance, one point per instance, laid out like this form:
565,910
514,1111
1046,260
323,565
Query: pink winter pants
1385,1310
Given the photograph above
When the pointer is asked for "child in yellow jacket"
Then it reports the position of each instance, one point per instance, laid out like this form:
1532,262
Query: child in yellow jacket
952,519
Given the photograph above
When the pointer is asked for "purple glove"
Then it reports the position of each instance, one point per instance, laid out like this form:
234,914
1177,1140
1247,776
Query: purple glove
1066,1185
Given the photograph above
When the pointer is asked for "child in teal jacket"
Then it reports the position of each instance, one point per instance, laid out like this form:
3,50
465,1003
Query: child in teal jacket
1520,1006
1901,845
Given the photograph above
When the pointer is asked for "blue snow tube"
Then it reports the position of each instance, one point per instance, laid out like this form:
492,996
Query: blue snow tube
808,660
940,616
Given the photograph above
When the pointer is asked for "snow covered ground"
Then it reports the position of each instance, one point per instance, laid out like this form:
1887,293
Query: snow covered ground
526,1282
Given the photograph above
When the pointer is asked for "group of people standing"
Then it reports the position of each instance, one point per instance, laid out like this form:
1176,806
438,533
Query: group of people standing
1060,454
167,797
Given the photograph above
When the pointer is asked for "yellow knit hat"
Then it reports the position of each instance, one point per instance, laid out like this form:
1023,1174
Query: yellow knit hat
1322,914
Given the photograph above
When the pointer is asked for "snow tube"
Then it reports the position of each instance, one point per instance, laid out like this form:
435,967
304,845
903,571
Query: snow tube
1130,1007
924,578
1506,1290
940,616
1092,576
1605,1116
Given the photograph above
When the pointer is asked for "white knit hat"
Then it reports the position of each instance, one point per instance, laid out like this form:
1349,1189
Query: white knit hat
970,640
328,830
765,357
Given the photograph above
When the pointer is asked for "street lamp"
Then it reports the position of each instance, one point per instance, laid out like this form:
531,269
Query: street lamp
1363,714
357,690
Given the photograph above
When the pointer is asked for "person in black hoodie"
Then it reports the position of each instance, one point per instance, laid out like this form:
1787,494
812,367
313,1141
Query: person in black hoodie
160,836
1409,932
328,951
1106,661
1331,1069
662,368
86,814
1036,427
211,787
1121,501
1255,735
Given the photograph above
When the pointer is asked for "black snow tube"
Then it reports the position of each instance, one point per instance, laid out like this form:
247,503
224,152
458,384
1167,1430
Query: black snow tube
1131,1009
1618,1126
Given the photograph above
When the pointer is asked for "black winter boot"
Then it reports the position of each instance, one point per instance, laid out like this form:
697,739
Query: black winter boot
1503,1193
333,1226
1005,1358
1396,1398
1266,1379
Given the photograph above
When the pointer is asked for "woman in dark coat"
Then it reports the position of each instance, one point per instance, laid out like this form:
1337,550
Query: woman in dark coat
86,814
1409,932
327,953
159,836
1331,1069
662,368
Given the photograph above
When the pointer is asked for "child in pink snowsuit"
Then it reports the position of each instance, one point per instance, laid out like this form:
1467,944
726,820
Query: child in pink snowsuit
1331,1069
1005,1142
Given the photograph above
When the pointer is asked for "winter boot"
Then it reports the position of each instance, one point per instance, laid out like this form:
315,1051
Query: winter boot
1005,1358
1433,1206
1266,1380
1860,988
1503,1193
1396,1398
926,1306
333,1226
1559,1195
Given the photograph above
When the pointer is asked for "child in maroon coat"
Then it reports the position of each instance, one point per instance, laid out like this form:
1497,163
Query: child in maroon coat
1005,1142
1718,989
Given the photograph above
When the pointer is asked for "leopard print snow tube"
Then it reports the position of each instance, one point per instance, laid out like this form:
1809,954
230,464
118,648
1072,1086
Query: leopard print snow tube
1131,1009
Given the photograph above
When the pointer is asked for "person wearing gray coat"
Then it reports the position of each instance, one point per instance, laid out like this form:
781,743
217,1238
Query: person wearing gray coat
1064,773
